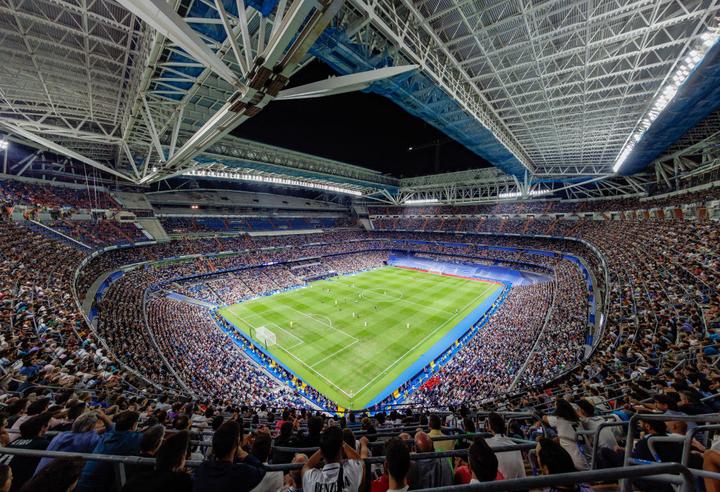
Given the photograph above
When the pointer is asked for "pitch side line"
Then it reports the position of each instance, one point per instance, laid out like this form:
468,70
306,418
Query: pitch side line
432,333
314,371
304,364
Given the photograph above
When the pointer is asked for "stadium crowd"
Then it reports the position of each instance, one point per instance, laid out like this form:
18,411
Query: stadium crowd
45,197
488,365
201,224
122,324
659,354
99,233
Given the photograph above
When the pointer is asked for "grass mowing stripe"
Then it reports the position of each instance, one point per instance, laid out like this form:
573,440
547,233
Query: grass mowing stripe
352,358
419,343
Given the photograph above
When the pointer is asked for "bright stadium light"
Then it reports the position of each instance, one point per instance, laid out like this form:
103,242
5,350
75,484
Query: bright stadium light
4,144
422,201
516,194
272,180
683,71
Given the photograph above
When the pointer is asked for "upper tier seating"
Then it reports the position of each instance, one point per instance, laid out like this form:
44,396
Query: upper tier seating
54,197
180,225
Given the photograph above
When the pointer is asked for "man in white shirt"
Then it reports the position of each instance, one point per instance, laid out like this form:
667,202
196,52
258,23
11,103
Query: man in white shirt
337,475
510,463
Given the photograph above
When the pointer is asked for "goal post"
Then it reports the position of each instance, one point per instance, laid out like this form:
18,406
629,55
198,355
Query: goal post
265,336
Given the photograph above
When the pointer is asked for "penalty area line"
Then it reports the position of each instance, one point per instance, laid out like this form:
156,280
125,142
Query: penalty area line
314,371
304,364
334,353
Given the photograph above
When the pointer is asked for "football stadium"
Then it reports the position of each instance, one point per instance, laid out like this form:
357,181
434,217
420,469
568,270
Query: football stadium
360,245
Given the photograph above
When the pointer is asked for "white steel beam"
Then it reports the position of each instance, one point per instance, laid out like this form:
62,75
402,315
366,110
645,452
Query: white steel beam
342,84
160,15
61,150
243,63
269,74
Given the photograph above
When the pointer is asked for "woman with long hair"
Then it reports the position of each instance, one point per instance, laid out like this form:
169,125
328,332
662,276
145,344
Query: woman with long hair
566,422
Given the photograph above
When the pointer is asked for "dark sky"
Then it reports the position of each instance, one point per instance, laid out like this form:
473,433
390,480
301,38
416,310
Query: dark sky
358,128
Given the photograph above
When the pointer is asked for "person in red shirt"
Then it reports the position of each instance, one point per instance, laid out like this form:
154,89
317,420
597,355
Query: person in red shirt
463,475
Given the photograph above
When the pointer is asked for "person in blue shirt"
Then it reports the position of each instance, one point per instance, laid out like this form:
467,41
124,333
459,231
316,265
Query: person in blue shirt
122,440
29,368
83,438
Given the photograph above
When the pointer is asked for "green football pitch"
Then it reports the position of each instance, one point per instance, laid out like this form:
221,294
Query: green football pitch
350,337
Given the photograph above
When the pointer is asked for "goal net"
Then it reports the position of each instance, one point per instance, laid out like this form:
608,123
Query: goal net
265,336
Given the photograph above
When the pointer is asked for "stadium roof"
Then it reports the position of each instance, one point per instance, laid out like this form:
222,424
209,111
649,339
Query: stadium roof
551,92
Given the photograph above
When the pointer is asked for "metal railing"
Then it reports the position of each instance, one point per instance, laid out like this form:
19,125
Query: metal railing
686,440
120,462
673,473
595,439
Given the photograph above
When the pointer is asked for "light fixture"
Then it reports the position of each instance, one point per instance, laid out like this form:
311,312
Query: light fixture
516,194
272,180
422,201
682,72
4,144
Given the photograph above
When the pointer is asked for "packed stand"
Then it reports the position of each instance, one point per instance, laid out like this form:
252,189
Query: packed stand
200,224
54,197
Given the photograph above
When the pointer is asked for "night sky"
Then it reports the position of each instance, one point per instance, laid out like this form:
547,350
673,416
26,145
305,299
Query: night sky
358,128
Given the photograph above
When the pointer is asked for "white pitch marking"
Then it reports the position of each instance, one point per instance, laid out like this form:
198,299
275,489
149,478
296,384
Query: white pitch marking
416,345
335,353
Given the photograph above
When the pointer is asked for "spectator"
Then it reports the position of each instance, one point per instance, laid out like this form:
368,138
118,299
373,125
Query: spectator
170,473
32,436
82,438
6,478
261,449
343,470
607,443
665,451
434,425
60,475
293,480
483,462
284,439
397,461
510,463
553,460
462,474
429,472
566,421
231,468
4,434
711,463
73,412
37,407
123,440
151,440
679,428
312,439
